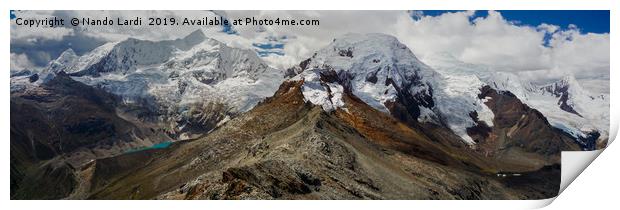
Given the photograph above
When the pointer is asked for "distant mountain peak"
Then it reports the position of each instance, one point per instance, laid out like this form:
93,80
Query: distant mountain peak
68,52
566,89
196,35
566,83
569,79
66,56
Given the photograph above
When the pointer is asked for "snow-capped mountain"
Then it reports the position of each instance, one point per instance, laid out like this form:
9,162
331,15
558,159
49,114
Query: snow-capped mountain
193,83
382,72
564,103
377,67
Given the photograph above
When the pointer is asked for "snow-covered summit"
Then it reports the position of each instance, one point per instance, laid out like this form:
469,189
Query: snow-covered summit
129,55
375,67
70,62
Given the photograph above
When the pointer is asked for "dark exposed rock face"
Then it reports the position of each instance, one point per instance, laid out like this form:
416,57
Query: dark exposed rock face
562,93
590,141
407,106
372,77
481,130
345,52
518,129
33,78
303,65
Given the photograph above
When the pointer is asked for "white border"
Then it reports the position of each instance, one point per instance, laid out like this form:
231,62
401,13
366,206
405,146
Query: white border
315,5
594,193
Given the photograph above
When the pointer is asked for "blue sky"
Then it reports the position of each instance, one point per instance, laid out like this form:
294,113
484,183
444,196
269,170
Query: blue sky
588,21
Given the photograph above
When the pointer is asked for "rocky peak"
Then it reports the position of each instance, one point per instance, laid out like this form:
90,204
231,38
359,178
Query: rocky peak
196,36
568,84
63,61
378,69
565,89
68,54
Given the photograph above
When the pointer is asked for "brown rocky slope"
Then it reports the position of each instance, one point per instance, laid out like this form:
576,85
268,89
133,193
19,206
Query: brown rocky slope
288,149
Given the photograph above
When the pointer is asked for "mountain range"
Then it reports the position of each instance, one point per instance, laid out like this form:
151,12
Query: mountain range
362,118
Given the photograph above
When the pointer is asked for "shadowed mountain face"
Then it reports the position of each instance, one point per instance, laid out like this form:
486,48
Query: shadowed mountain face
526,127
60,125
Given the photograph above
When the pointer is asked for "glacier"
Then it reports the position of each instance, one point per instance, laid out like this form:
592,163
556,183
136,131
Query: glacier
177,79
583,114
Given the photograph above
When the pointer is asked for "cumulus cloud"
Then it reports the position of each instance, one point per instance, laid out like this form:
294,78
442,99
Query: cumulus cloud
548,28
20,62
542,52
506,46
586,55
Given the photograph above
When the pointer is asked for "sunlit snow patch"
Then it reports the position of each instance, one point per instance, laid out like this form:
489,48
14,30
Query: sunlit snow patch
326,95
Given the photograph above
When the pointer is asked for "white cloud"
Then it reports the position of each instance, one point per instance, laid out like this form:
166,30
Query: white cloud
491,40
548,28
487,40
585,55
20,62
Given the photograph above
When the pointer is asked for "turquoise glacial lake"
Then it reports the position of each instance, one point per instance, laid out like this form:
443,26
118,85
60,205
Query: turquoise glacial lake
161,145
